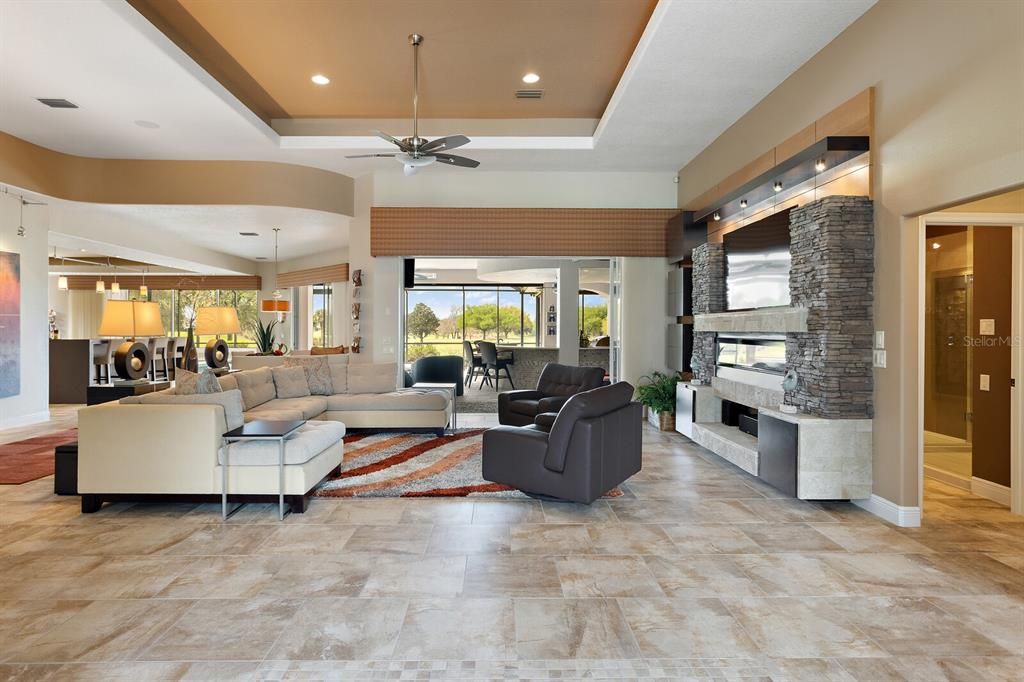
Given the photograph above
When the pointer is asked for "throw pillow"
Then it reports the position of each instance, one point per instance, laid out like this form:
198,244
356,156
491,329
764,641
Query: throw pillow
327,350
291,382
257,386
190,383
318,373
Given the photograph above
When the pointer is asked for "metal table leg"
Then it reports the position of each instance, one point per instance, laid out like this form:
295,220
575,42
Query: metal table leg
280,467
224,487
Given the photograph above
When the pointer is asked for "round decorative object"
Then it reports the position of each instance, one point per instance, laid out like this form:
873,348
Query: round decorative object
790,381
216,354
131,360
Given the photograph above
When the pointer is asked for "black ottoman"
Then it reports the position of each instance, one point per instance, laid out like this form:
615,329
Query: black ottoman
65,469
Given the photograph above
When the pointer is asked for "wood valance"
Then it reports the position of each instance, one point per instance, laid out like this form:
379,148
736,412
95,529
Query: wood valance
165,282
311,276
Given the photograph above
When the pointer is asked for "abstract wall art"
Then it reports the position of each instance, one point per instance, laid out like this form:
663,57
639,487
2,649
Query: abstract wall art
10,324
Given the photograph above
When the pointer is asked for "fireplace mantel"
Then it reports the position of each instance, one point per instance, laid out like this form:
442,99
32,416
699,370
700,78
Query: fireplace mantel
765,320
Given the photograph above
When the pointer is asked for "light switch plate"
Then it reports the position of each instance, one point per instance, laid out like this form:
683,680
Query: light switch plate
986,327
983,382
879,358
879,340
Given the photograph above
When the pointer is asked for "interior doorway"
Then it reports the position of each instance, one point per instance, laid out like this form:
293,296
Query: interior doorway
971,358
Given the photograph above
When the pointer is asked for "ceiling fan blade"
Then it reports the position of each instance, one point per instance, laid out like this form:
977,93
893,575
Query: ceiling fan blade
453,160
393,140
445,143
371,156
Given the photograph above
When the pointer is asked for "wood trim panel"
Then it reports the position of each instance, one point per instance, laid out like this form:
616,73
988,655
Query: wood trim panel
164,282
519,231
310,276
853,117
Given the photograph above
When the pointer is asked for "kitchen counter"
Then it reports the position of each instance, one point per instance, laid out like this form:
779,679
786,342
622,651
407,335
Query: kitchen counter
530,360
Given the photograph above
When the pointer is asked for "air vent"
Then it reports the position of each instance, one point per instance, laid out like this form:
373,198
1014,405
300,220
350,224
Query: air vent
261,258
58,103
529,94
248,234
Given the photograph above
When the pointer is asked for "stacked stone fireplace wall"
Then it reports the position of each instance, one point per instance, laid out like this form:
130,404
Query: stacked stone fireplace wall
708,297
832,275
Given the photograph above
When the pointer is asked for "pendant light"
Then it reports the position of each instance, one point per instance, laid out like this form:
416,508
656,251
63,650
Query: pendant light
62,280
277,304
101,286
144,290
21,216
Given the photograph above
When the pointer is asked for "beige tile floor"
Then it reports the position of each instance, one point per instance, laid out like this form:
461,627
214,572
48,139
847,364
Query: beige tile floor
698,572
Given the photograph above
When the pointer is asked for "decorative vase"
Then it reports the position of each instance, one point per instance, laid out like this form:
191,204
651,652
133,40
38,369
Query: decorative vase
189,356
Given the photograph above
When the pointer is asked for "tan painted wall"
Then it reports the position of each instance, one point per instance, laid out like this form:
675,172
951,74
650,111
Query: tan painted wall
949,92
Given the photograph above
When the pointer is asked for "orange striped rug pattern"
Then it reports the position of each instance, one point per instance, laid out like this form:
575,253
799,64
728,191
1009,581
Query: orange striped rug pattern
413,465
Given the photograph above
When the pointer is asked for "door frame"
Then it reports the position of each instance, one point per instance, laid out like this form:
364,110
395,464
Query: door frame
1016,223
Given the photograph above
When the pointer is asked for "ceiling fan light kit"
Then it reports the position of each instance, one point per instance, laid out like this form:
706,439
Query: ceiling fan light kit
416,152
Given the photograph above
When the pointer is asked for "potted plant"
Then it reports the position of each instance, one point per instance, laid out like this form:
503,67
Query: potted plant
264,336
658,395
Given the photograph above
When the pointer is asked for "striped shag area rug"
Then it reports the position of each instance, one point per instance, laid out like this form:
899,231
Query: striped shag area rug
413,465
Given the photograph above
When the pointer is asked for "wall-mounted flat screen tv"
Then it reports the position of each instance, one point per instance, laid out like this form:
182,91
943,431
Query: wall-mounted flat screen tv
757,263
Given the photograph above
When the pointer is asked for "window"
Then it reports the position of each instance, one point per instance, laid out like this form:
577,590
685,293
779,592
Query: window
593,316
439,318
321,312
178,308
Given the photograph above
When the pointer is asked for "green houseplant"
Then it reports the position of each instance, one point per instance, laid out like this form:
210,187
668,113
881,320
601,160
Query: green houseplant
264,336
658,394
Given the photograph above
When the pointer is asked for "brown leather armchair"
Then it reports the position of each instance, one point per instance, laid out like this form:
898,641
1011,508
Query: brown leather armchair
557,383
594,444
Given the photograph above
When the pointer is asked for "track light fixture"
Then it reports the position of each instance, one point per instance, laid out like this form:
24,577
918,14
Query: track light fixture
717,216
777,186
743,203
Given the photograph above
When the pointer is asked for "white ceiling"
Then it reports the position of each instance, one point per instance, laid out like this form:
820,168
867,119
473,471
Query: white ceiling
700,65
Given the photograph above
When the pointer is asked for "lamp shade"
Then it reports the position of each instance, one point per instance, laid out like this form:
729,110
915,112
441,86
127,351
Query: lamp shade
217,320
274,305
131,318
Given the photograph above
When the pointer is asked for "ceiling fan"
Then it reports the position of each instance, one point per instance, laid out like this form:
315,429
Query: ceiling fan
417,152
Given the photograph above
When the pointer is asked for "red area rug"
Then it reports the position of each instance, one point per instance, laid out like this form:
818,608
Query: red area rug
415,465
26,460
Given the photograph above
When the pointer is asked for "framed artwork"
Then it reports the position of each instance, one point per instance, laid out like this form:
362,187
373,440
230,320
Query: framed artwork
10,324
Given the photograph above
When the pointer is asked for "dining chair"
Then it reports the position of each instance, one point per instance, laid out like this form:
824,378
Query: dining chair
489,355
473,362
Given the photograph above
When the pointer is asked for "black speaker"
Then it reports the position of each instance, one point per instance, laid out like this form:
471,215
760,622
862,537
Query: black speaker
409,266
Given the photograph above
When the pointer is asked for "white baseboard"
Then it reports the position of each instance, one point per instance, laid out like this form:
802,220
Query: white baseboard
907,517
990,491
25,420
955,480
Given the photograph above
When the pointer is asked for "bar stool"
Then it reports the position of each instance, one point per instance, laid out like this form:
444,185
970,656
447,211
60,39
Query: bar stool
101,356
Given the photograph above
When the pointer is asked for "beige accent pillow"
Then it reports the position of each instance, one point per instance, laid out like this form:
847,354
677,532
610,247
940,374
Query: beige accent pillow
328,350
231,401
318,373
257,386
191,383
290,382
228,382
372,378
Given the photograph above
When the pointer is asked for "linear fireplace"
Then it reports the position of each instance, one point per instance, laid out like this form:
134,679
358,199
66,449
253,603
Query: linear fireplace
758,359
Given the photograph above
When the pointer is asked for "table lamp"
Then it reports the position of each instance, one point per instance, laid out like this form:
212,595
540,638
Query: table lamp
131,319
217,320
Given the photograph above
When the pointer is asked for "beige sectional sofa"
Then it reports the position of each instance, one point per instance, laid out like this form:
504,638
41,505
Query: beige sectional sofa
163,443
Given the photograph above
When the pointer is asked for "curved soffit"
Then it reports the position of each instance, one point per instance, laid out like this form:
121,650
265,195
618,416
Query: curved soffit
131,181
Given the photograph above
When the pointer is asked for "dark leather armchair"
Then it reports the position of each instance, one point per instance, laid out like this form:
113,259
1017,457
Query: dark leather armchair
438,369
594,445
557,383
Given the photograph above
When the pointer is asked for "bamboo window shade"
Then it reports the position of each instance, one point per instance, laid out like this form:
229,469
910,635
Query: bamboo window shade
311,276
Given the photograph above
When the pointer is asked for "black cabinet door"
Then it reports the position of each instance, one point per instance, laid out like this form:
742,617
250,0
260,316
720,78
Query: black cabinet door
777,452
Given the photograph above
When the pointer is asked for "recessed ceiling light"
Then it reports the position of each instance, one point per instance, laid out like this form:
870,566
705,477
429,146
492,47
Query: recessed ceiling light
147,124
320,79
531,78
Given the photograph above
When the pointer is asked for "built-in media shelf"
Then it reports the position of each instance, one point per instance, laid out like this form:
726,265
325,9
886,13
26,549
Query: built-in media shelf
808,457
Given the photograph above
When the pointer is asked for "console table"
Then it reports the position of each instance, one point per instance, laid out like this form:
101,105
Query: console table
105,393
